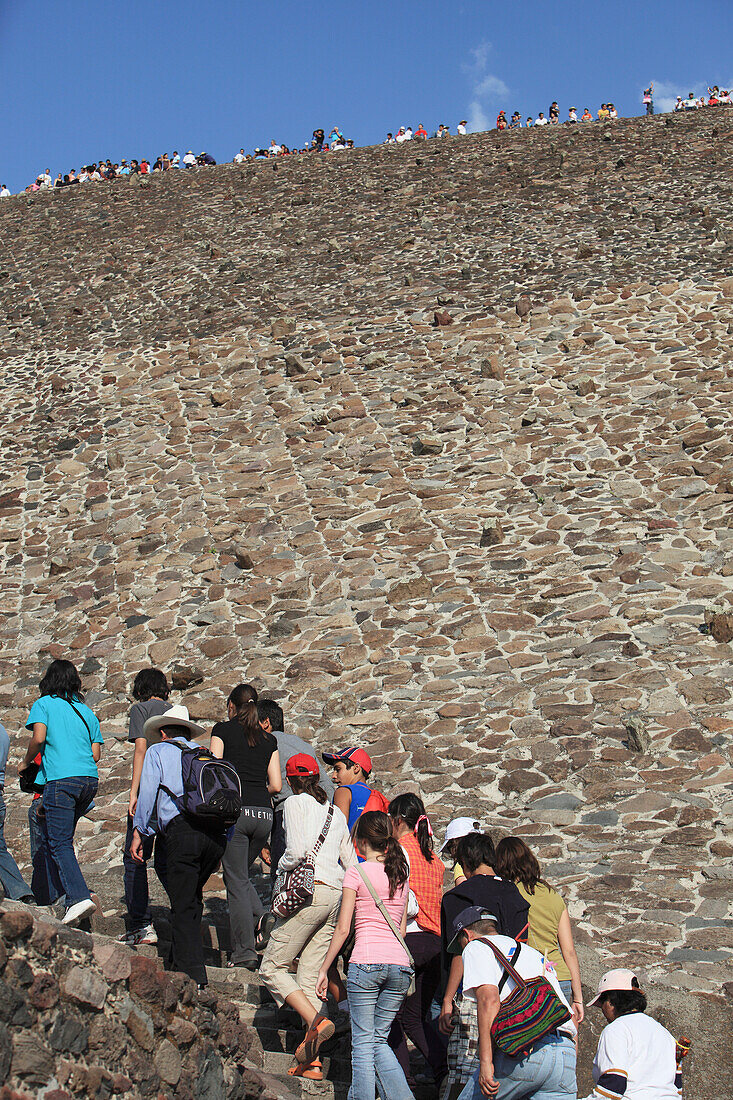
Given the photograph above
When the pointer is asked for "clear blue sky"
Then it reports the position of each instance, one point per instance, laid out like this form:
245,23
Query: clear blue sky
84,79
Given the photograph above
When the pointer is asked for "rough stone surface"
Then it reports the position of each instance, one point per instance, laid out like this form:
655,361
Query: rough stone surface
185,1043
319,531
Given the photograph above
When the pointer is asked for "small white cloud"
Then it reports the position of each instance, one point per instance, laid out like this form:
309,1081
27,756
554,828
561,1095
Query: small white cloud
492,87
477,118
486,88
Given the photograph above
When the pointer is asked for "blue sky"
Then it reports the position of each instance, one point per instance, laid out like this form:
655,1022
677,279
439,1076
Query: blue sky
84,79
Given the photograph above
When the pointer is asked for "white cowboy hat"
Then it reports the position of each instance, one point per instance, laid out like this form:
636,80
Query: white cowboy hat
175,716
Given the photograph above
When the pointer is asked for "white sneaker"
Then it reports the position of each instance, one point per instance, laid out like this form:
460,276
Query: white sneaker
78,911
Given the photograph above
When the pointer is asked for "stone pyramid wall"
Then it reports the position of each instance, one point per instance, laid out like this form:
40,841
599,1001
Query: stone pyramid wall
432,443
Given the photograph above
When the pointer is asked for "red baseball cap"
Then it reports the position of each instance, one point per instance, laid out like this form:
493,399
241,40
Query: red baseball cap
301,764
350,756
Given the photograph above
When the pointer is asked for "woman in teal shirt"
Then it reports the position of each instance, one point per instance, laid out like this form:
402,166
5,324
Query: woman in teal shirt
67,734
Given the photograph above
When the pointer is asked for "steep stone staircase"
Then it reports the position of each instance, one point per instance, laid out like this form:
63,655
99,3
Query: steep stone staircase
276,1033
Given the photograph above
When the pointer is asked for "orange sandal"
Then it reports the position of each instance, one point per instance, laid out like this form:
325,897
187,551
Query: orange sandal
320,1030
313,1071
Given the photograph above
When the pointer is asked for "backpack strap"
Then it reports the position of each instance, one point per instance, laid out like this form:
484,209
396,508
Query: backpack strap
323,832
505,976
504,961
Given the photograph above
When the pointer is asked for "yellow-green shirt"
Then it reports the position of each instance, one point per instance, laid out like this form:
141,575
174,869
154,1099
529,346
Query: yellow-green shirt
545,909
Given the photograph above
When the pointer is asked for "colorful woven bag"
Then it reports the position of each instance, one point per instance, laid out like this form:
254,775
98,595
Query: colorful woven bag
298,885
531,1010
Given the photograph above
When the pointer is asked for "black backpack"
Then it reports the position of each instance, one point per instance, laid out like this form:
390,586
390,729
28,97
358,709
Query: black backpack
212,794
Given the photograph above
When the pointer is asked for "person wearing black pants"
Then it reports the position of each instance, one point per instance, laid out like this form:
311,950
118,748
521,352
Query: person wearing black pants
193,856
193,852
252,751
413,1021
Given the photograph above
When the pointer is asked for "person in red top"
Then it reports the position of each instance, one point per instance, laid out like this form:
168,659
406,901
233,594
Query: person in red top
501,123
421,132
412,830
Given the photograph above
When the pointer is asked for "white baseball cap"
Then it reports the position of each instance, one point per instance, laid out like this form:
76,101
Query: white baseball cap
461,826
615,979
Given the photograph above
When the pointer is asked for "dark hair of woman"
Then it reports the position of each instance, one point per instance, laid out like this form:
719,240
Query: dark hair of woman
246,712
242,693
411,809
308,784
474,849
515,861
375,829
625,1001
150,683
61,679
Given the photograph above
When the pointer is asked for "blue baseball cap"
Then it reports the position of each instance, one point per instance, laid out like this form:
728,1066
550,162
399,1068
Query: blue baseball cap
465,918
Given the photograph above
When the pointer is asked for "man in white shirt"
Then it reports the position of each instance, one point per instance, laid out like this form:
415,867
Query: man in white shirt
274,149
637,1058
401,135
189,161
549,1068
176,159
240,157
461,128
691,103
4,192
541,120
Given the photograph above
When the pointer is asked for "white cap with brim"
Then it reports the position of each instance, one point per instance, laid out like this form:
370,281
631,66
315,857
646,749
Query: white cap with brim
175,716
461,826
613,980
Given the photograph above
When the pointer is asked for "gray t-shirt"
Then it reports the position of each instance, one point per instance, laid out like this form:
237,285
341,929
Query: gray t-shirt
140,714
288,745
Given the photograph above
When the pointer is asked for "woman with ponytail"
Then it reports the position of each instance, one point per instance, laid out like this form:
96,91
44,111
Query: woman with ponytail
380,970
244,743
412,829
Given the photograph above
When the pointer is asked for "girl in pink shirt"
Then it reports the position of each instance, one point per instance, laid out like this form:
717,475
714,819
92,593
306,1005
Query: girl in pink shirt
380,969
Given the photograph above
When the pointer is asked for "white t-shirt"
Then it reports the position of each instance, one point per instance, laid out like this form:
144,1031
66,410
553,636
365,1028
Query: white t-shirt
303,819
461,129
481,967
5,193
238,158
189,159
636,1059
541,122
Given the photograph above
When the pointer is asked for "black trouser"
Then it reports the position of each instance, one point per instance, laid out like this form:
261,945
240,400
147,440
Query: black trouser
192,857
278,841
413,1019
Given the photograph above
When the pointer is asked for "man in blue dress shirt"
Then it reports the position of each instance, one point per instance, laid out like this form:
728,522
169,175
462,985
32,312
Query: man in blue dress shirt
193,854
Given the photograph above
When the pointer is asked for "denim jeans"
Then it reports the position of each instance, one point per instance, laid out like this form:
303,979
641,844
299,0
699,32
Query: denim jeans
375,992
64,802
548,1073
14,884
35,831
137,897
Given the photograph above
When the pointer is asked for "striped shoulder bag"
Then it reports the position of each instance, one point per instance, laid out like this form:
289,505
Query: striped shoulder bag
531,1010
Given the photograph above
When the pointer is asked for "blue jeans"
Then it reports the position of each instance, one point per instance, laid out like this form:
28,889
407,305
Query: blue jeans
548,1073
375,992
34,827
14,884
137,897
64,802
